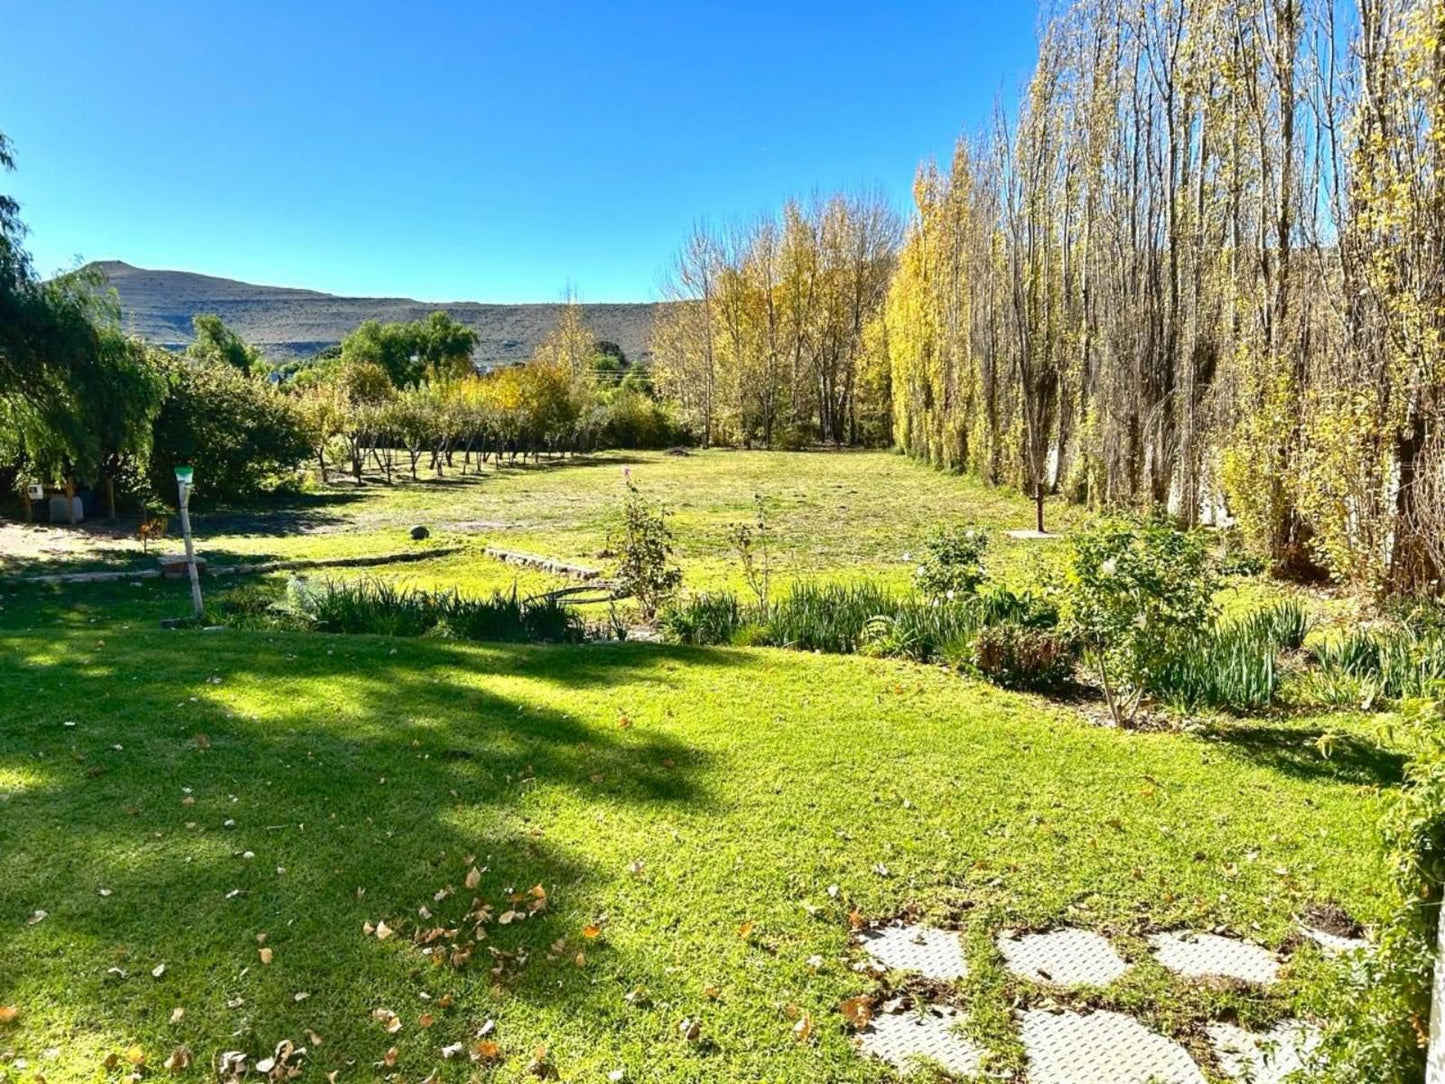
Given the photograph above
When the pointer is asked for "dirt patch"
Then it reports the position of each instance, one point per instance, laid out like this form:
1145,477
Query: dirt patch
27,543
1333,919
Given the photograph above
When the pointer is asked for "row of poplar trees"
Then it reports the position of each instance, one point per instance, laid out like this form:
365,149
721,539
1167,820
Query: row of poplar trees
1199,267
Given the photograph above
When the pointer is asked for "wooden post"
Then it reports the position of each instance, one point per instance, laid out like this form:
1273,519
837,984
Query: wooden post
190,548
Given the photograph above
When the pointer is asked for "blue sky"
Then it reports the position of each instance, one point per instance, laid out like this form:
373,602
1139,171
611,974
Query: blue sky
471,150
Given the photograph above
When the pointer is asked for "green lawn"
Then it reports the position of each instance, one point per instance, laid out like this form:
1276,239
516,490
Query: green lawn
832,513
668,795
172,798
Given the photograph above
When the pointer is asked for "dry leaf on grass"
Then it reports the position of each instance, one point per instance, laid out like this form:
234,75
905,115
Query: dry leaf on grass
179,1060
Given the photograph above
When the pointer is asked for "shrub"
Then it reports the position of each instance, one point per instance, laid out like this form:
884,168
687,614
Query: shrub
240,433
633,419
827,617
704,619
1285,624
1021,657
1232,667
1394,662
645,569
952,565
1382,1015
997,604
921,630
382,608
1134,594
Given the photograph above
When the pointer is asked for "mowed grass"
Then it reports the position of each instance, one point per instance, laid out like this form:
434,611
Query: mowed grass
833,515
695,804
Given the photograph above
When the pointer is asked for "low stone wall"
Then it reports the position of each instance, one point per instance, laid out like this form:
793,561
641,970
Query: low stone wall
546,564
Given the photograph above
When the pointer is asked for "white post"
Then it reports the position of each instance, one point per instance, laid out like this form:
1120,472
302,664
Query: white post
1435,1059
185,488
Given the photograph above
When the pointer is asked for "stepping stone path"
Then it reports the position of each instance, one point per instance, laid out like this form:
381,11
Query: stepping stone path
934,954
931,1035
1102,1048
1095,1047
1063,958
1263,1059
1333,943
1210,956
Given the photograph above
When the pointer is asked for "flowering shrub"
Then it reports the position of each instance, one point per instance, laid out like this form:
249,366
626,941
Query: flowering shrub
1134,593
952,565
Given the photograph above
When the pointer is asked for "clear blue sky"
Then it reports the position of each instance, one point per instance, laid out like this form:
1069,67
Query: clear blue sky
471,150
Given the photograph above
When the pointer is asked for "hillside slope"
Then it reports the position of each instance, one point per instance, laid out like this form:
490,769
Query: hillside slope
288,323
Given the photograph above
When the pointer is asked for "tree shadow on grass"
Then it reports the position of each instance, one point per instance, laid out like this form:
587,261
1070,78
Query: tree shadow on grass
1304,753
228,785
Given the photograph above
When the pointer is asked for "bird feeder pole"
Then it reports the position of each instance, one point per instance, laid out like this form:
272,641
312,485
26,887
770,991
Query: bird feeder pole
183,482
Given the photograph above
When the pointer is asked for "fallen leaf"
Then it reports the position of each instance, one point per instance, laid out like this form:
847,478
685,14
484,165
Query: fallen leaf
690,1029
179,1060
474,877
857,1011
591,932
745,929
9,1014
158,971
177,1015
426,1020
37,916
383,931
803,1029
266,955
486,1050
451,1050
711,992
539,1066
135,1055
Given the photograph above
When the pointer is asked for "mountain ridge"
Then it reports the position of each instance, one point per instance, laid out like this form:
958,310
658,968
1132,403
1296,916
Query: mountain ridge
292,323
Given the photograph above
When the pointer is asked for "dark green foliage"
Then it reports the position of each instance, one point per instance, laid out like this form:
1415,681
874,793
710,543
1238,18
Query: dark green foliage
923,630
437,348
216,344
997,604
239,433
1394,662
383,608
827,617
1231,667
1005,638
1234,666
710,618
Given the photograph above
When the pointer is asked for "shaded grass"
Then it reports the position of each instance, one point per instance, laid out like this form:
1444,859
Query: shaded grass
670,793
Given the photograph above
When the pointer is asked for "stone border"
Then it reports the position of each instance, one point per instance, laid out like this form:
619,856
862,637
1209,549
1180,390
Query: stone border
546,564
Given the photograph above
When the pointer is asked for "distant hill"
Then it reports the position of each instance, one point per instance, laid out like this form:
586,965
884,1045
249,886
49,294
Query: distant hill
290,324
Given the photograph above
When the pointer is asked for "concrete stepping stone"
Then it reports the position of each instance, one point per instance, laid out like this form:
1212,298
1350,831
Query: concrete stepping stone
934,954
1063,958
1210,956
1102,1048
1263,1059
931,1036
1332,943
